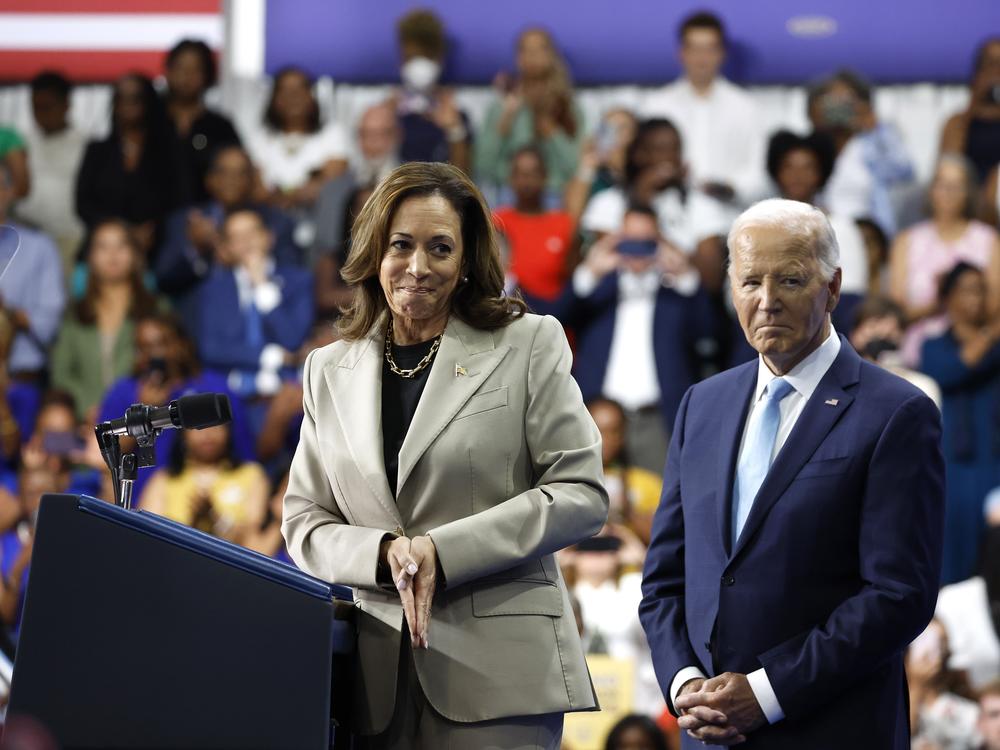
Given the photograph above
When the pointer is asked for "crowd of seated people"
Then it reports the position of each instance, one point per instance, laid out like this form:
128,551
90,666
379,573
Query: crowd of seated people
181,254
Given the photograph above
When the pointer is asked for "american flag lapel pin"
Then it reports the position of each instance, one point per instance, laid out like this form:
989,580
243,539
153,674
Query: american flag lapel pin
459,370
832,401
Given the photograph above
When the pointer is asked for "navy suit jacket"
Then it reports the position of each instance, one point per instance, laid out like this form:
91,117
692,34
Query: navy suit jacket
678,322
222,330
176,269
836,570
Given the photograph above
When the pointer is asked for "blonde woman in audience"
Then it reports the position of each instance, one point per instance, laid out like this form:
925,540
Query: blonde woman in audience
96,343
206,486
922,254
534,106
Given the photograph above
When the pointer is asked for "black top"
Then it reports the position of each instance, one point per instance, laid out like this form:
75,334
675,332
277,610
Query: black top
982,145
209,132
104,188
400,397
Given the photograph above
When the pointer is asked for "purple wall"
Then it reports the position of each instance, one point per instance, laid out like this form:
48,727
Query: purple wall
618,41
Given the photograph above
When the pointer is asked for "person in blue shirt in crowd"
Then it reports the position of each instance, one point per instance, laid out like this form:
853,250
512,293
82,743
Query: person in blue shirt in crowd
192,234
32,298
253,313
17,543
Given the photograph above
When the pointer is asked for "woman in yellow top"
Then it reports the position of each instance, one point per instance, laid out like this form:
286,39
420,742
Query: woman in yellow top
206,486
634,492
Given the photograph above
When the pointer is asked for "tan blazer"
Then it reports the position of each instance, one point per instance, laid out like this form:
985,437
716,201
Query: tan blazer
501,467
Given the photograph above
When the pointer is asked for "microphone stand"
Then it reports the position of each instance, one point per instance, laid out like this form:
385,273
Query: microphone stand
124,467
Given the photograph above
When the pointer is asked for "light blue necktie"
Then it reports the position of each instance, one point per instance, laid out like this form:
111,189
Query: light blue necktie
756,458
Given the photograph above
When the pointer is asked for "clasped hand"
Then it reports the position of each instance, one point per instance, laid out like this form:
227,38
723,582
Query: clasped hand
413,565
721,710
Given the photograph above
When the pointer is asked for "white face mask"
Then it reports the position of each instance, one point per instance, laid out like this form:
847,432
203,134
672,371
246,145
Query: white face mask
420,73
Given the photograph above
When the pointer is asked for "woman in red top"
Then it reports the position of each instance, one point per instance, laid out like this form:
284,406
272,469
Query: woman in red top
539,240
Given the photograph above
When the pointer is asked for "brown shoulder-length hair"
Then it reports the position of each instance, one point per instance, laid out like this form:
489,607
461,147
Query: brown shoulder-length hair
142,303
479,301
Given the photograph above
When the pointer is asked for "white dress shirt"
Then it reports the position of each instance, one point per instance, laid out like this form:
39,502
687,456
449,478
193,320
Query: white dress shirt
721,132
804,379
631,377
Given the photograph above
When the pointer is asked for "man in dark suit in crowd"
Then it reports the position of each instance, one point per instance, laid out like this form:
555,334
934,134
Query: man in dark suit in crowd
797,547
638,310
253,313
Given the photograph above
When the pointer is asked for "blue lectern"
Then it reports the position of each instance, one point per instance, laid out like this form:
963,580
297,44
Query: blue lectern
139,632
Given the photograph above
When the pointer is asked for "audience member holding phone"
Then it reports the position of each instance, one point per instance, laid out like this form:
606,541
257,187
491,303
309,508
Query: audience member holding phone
638,310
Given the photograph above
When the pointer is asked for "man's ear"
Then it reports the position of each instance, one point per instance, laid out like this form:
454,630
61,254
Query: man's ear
833,285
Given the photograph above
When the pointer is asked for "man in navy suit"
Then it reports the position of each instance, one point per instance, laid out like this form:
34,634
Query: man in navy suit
797,546
253,313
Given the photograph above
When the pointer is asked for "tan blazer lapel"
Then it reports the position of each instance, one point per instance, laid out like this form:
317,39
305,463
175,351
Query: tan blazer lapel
356,384
464,361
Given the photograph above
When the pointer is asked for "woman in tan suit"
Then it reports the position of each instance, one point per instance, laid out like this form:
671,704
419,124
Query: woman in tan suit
445,456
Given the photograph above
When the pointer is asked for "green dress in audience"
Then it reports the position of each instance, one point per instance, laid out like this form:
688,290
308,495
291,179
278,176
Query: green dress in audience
493,152
84,365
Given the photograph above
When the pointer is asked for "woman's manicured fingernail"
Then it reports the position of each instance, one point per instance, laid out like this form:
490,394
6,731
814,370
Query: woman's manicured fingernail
401,583
411,569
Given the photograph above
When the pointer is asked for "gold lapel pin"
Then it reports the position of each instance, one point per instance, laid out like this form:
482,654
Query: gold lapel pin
459,370
832,402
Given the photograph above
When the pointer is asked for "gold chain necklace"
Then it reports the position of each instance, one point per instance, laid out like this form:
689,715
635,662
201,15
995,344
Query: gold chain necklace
421,365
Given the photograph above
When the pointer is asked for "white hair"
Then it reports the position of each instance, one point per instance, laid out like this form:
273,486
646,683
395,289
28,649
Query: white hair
806,226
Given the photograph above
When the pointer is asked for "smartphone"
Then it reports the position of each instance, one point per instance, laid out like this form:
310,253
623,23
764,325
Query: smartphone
637,248
61,443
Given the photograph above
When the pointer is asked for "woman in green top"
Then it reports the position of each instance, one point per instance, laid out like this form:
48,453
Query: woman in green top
95,344
536,107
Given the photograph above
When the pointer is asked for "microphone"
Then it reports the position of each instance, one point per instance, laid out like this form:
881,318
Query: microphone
194,412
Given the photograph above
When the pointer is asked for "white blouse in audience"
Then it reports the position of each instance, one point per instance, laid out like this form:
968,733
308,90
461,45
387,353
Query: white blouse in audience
288,160
964,609
684,220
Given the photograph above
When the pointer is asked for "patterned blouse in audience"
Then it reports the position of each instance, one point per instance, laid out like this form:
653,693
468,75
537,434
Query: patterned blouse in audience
206,486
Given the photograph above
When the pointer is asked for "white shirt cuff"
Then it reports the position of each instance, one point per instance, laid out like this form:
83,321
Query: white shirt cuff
686,674
266,297
686,284
765,696
272,357
584,281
